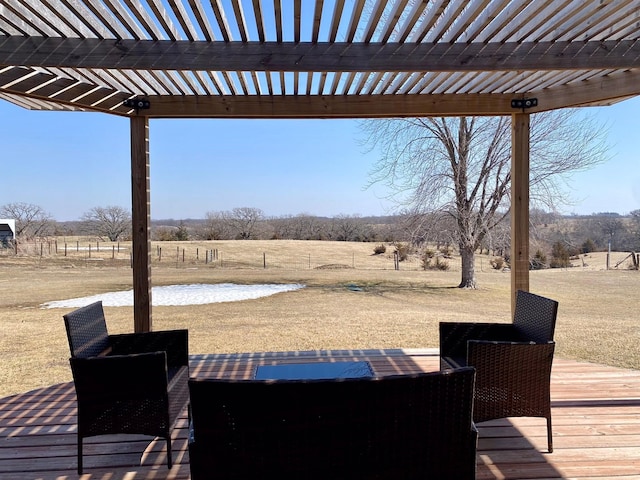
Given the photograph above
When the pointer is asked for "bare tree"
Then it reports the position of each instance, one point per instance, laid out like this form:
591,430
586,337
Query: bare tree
348,228
31,220
461,167
309,227
243,221
215,227
281,227
635,229
611,225
107,222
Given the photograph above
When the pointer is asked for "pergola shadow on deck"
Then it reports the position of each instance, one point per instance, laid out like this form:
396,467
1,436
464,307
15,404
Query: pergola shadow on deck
596,425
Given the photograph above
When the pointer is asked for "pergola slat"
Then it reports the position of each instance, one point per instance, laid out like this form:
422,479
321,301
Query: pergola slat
241,23
132,28
183,19
107,18
335,20
221,18
354,20
412,20
203,20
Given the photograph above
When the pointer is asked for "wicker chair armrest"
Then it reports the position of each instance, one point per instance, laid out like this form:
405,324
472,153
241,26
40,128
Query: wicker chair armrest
514,358
174,342
455,335
120,377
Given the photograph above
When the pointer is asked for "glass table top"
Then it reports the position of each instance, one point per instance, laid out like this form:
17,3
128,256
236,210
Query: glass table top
313,371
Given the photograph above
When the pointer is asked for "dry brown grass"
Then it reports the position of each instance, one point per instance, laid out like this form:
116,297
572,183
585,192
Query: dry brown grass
598,315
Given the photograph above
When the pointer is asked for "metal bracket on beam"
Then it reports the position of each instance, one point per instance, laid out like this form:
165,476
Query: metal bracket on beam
524,103
137,103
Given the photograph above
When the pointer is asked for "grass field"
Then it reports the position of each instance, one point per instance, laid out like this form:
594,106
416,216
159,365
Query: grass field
597,320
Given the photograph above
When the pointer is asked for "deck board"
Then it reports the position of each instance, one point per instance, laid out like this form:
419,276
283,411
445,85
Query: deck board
596,425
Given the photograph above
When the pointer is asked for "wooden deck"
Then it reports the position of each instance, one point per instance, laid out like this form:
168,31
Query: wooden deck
596,426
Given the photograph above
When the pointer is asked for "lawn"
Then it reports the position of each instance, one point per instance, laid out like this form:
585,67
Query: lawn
342,307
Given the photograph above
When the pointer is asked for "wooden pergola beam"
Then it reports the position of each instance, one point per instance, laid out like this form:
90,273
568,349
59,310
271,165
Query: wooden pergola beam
520,129
603,90
325,56
327,106
141,224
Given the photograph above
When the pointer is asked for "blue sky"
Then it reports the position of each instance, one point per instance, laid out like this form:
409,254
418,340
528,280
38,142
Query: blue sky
70,162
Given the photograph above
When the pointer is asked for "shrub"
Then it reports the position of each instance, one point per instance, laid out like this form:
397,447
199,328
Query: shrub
588,246
379,249
403,250
427,256
181,234
539,260
164,234
427,264
497,263
441,265
171,234
560,257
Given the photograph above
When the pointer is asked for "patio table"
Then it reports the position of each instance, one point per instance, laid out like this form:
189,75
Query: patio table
314,370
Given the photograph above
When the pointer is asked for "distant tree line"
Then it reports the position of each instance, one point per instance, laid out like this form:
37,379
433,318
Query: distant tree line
554,238
251,224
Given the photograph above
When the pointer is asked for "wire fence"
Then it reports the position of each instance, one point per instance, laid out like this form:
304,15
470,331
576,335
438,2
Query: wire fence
249,254
85,253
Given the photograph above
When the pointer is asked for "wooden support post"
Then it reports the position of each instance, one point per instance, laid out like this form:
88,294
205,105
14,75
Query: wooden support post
519,205
141,220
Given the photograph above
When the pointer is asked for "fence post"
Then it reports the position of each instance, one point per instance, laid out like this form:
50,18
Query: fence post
113,252
89,250
264,260
65,249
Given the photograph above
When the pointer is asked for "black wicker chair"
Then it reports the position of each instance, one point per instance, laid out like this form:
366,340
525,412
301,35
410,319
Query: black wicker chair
131,383
413,426
513,361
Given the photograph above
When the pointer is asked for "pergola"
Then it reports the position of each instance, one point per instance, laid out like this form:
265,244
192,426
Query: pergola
147,59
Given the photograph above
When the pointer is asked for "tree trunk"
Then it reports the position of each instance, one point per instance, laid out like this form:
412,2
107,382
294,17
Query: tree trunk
468,268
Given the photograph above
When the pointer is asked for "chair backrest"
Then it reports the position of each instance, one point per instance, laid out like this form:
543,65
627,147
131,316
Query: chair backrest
535,316
407,426
87,331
